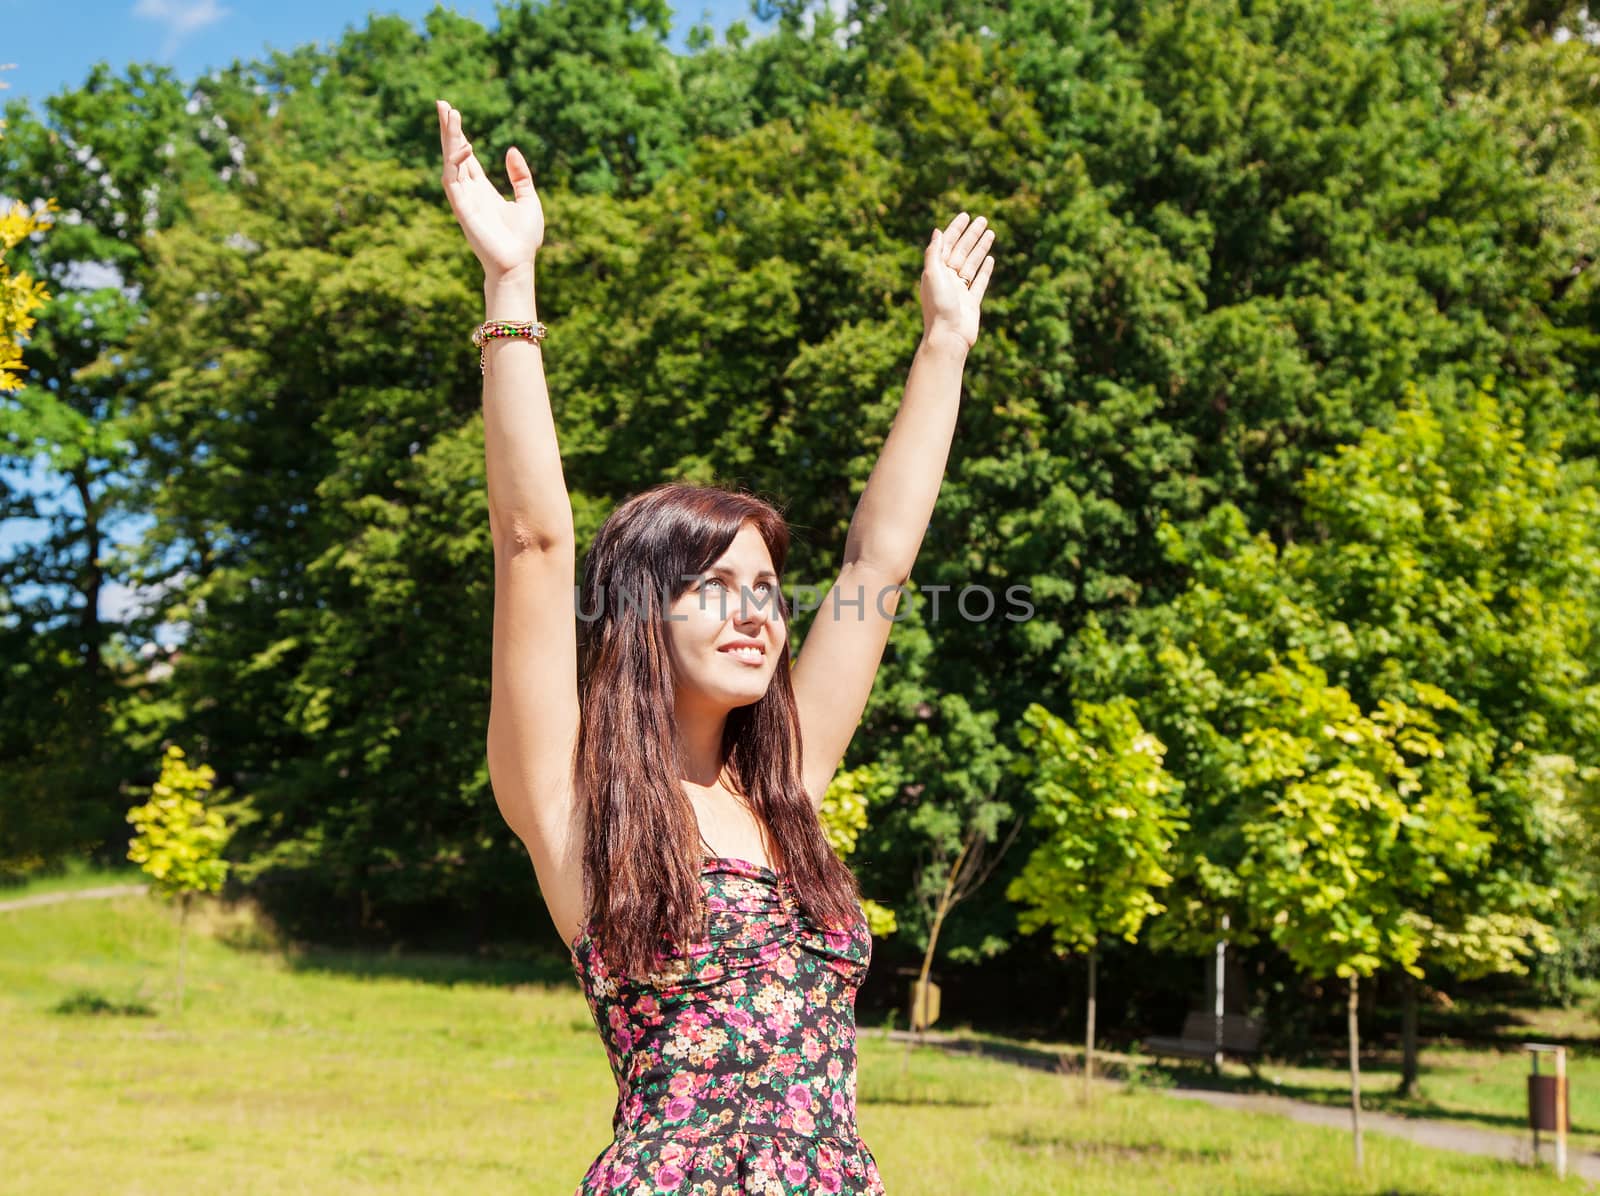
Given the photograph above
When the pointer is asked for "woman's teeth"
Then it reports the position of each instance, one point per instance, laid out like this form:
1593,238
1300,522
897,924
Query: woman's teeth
753,655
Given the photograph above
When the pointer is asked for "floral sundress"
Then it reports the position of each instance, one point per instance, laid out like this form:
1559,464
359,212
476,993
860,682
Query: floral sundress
735,1068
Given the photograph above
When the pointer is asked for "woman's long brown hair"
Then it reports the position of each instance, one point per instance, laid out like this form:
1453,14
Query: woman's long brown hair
642,844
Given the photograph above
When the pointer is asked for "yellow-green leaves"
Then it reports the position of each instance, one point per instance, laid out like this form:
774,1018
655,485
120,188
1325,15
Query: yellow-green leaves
1349,710
178,840
851,793
1335,853
20,294
1110,815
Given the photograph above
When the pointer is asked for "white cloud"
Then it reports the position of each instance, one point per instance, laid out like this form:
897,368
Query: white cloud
181,17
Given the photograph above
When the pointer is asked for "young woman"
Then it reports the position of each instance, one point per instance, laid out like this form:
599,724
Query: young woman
666,777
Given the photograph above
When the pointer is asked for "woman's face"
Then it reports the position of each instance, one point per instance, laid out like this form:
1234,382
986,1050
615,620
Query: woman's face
725,631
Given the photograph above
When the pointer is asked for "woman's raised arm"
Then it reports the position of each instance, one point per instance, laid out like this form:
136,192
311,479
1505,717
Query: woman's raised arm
533,709
839,658
525,482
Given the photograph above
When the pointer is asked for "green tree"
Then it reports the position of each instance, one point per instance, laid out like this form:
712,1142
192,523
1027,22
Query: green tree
604,86
24,828
325,497
1468,561
1110,815
1340,831
1453,567
179,839
115,152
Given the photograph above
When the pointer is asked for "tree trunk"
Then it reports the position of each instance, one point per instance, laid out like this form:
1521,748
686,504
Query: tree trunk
919,1021
1088,1037
947,900
93,575
1218,1001
919,1000
1408,1037
1355,1066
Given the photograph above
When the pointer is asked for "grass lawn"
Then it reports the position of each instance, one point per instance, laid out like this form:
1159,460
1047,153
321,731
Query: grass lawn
311,1072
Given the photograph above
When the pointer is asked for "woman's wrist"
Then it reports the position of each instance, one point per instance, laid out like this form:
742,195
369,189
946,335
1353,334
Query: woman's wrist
945,341
509,295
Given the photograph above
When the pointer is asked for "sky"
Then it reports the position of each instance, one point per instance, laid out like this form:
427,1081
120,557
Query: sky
53,45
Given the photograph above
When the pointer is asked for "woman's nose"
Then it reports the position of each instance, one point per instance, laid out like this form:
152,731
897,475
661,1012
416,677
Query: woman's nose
754,608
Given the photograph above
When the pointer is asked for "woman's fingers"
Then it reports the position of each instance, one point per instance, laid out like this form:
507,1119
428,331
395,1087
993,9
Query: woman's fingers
461,164
465,168
460,147
451,140
969,240
953,231
980,284
963,246
968,266
521,176
452,145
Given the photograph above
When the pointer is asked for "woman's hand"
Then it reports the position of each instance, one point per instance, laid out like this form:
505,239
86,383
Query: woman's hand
505,234
955,274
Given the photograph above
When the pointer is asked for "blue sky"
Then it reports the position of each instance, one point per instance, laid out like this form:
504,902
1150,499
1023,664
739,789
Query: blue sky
54,45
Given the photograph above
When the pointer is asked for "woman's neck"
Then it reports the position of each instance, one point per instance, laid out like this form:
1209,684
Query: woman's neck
700,759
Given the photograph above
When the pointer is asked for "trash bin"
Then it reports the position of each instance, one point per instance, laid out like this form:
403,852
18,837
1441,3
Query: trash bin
919,1003
1546,1095
924,1008
1548,1108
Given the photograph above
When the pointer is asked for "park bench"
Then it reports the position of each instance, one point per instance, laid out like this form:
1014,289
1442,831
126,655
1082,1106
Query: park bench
1241,1035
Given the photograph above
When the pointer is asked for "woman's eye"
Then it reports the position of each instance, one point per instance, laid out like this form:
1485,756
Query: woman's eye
717,581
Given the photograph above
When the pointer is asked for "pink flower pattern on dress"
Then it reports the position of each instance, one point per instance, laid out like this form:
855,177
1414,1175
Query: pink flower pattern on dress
736,1063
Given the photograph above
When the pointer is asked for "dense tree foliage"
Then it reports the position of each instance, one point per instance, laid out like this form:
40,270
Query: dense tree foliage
1286,418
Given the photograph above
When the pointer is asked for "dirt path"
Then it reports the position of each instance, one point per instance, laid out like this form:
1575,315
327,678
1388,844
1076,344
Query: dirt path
72,895
1442,1135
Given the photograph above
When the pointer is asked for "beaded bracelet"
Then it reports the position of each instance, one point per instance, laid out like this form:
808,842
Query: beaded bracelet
494,330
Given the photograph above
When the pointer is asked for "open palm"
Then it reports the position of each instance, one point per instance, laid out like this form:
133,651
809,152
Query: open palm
955,274
505,234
